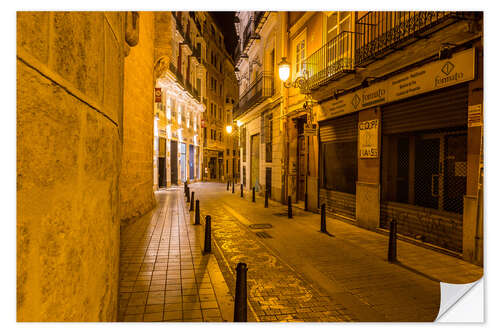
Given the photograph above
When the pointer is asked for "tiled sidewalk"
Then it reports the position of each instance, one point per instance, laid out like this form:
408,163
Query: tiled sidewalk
164,275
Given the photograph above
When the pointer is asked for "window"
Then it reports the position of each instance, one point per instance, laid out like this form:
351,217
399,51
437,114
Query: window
336,23
299,53
269,137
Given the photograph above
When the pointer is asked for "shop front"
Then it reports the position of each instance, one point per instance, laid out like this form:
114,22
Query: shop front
398,149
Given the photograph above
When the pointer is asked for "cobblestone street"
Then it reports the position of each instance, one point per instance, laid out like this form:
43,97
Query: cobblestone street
296,273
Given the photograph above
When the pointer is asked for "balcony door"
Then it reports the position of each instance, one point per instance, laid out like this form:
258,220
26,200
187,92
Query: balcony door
338,55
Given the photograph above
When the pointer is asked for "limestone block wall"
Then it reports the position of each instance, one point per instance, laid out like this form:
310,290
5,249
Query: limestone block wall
136,178
69,116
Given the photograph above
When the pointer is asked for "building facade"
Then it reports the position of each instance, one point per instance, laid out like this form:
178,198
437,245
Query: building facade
260,104
400,132
178,99
220,80
380,120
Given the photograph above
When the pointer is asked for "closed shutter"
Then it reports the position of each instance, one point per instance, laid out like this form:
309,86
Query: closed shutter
342,129
440,109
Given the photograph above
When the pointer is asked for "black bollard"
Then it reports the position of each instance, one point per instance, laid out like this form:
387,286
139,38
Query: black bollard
266,199
323,218
191,205
289,207
241,194
187,196
305,202
185,188
240,300
253,194
393,248
197,212
233,186
227,189
208,237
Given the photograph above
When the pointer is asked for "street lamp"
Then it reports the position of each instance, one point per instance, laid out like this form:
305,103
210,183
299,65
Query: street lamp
284,69
301,80
229,129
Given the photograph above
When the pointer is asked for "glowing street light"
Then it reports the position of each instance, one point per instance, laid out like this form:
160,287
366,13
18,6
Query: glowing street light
284,69
229,129
239,123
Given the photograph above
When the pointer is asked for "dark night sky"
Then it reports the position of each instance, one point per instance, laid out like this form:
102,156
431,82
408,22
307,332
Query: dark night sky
226,24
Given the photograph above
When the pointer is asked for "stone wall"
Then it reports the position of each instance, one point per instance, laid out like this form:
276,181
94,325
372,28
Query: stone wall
136,178
69,115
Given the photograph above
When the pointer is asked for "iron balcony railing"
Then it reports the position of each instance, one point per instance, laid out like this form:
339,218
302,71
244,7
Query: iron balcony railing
249,32
331,61
379,32
376,34
261,88
258,17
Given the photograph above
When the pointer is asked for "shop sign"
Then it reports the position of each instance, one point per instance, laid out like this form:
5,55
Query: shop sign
157,95
475,118
436,75
368,138
310,130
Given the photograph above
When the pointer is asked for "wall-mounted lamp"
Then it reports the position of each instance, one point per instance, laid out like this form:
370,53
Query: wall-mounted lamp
229,129
239,123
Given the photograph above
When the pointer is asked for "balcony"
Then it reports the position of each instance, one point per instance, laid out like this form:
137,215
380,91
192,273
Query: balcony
260,19
382,32
377,34
331,61
260,89
249,34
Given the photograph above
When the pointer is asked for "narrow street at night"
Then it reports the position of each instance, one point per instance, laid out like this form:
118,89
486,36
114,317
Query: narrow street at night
248,166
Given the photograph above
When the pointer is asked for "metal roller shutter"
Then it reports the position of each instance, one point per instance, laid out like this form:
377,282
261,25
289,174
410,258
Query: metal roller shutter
440,109
342,129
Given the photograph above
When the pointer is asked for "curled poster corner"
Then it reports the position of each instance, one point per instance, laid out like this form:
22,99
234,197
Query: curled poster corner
455,302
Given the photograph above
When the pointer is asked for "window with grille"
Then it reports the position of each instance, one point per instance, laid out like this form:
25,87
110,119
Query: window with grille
426,169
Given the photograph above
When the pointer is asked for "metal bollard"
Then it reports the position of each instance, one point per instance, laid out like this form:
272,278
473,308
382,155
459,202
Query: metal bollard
266,199
393,248
253,194
233,186
208,238
305,202
323,218
241,194
197,212
289,207
240,300
191,205
227,189
187,196
185,188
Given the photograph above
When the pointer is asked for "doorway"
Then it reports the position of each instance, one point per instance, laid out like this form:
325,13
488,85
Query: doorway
254,161
191,162
173,163
162,171
183,162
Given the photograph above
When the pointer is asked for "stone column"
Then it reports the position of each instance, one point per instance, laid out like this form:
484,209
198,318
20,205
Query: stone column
368,184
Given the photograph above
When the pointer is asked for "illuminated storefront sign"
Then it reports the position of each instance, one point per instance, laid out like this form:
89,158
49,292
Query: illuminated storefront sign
436,75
